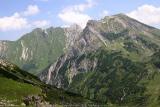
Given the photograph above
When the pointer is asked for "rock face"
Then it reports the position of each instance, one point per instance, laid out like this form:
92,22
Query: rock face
38,49
109,61
3,48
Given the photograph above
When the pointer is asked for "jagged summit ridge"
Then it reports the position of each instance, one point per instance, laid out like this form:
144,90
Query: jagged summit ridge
119,22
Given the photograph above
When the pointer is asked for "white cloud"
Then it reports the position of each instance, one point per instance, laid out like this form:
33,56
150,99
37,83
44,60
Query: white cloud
72,17
75,14
104,13
148,14
41,23
14,22
18,20
31,10
82,7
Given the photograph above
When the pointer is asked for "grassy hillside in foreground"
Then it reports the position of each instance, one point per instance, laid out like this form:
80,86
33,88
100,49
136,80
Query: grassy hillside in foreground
19,88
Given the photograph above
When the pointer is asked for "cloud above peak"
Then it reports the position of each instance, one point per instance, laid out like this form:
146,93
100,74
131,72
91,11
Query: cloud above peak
31,10
147,14
40,23
19,20
75,14
14,22
82,7
104,13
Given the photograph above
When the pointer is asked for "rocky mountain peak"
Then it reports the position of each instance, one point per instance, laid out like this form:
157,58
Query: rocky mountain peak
122,21
117,24
37,30
75,27
72,33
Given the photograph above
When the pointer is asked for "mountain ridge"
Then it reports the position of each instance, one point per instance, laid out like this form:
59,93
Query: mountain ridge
29,50
43,37
114,60
109,62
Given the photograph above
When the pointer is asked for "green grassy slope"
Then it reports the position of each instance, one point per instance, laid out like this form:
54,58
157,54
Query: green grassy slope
116,60
16,85
118,80
36,50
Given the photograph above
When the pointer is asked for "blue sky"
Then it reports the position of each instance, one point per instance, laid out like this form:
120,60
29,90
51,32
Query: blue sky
18,17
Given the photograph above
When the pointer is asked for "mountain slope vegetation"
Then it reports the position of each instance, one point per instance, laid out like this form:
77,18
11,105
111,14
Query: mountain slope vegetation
114,60
19,88
38,49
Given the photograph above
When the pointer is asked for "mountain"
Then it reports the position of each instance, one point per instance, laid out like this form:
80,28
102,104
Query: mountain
38,49
19,88
115,60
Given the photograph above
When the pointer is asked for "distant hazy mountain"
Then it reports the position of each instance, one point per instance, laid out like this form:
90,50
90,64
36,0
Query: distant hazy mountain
115,60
